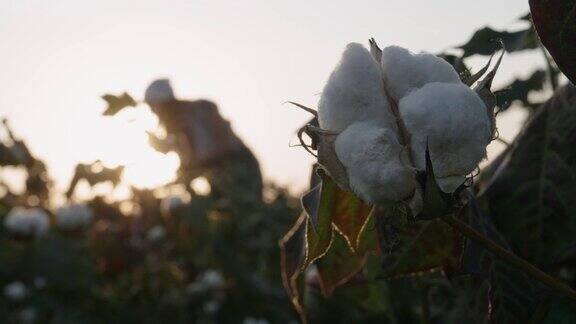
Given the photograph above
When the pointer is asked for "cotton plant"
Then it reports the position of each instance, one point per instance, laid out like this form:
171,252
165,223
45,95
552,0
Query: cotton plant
27,222
74,217
393,129
381,111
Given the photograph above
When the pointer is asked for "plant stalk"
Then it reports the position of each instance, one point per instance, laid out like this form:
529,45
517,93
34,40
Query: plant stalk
509,257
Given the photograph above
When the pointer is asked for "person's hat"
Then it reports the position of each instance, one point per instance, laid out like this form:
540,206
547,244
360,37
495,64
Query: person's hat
159,91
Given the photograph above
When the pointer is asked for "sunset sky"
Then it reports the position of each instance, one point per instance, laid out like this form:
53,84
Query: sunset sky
59,56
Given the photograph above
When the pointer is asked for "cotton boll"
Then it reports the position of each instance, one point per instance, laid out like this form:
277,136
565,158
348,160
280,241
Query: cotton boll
452,119
23,222
354,92
212,279
208,280
156,233
74,217
405,71
373,160
15,291
28,315
252,320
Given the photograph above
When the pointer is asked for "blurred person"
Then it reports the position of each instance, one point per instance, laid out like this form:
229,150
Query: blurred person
206,144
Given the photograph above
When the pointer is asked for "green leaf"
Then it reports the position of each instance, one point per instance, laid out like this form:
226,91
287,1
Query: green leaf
531,197
338,266
555,22
350,217
422,246
117,103
485,41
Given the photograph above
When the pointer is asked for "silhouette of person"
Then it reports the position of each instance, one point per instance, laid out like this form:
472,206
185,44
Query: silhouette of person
205,143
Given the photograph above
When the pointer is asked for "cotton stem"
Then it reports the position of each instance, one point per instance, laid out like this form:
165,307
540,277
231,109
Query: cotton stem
510,258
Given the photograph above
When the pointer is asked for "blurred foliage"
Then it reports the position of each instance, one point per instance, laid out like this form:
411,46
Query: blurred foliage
94,174
117,103
216,259
201,263
487,41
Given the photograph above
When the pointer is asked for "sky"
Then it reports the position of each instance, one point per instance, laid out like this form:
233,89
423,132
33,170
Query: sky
57,57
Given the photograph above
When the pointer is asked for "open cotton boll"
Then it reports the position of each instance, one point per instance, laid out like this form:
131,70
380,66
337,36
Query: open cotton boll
372,158
453,120
354,92
27,222
74,217
404,71
15,291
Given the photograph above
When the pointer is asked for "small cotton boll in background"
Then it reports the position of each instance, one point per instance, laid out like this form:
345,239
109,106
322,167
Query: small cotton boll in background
372,157
15,291
39,282
211,307
208,280
156,233
212,279
252,320
454,122
354,92
74,217
24,222
405,71
28,315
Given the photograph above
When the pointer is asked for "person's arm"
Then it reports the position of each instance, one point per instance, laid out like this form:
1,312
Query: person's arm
162,145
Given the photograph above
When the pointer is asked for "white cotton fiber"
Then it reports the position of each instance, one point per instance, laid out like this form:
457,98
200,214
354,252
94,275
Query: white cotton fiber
405,71
15,291
372,158
354,92
74,217
453,120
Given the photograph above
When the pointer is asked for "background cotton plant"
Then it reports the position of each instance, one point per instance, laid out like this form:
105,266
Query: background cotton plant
74,217
27,222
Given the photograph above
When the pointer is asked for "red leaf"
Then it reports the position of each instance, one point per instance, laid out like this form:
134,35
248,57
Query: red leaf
555,22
